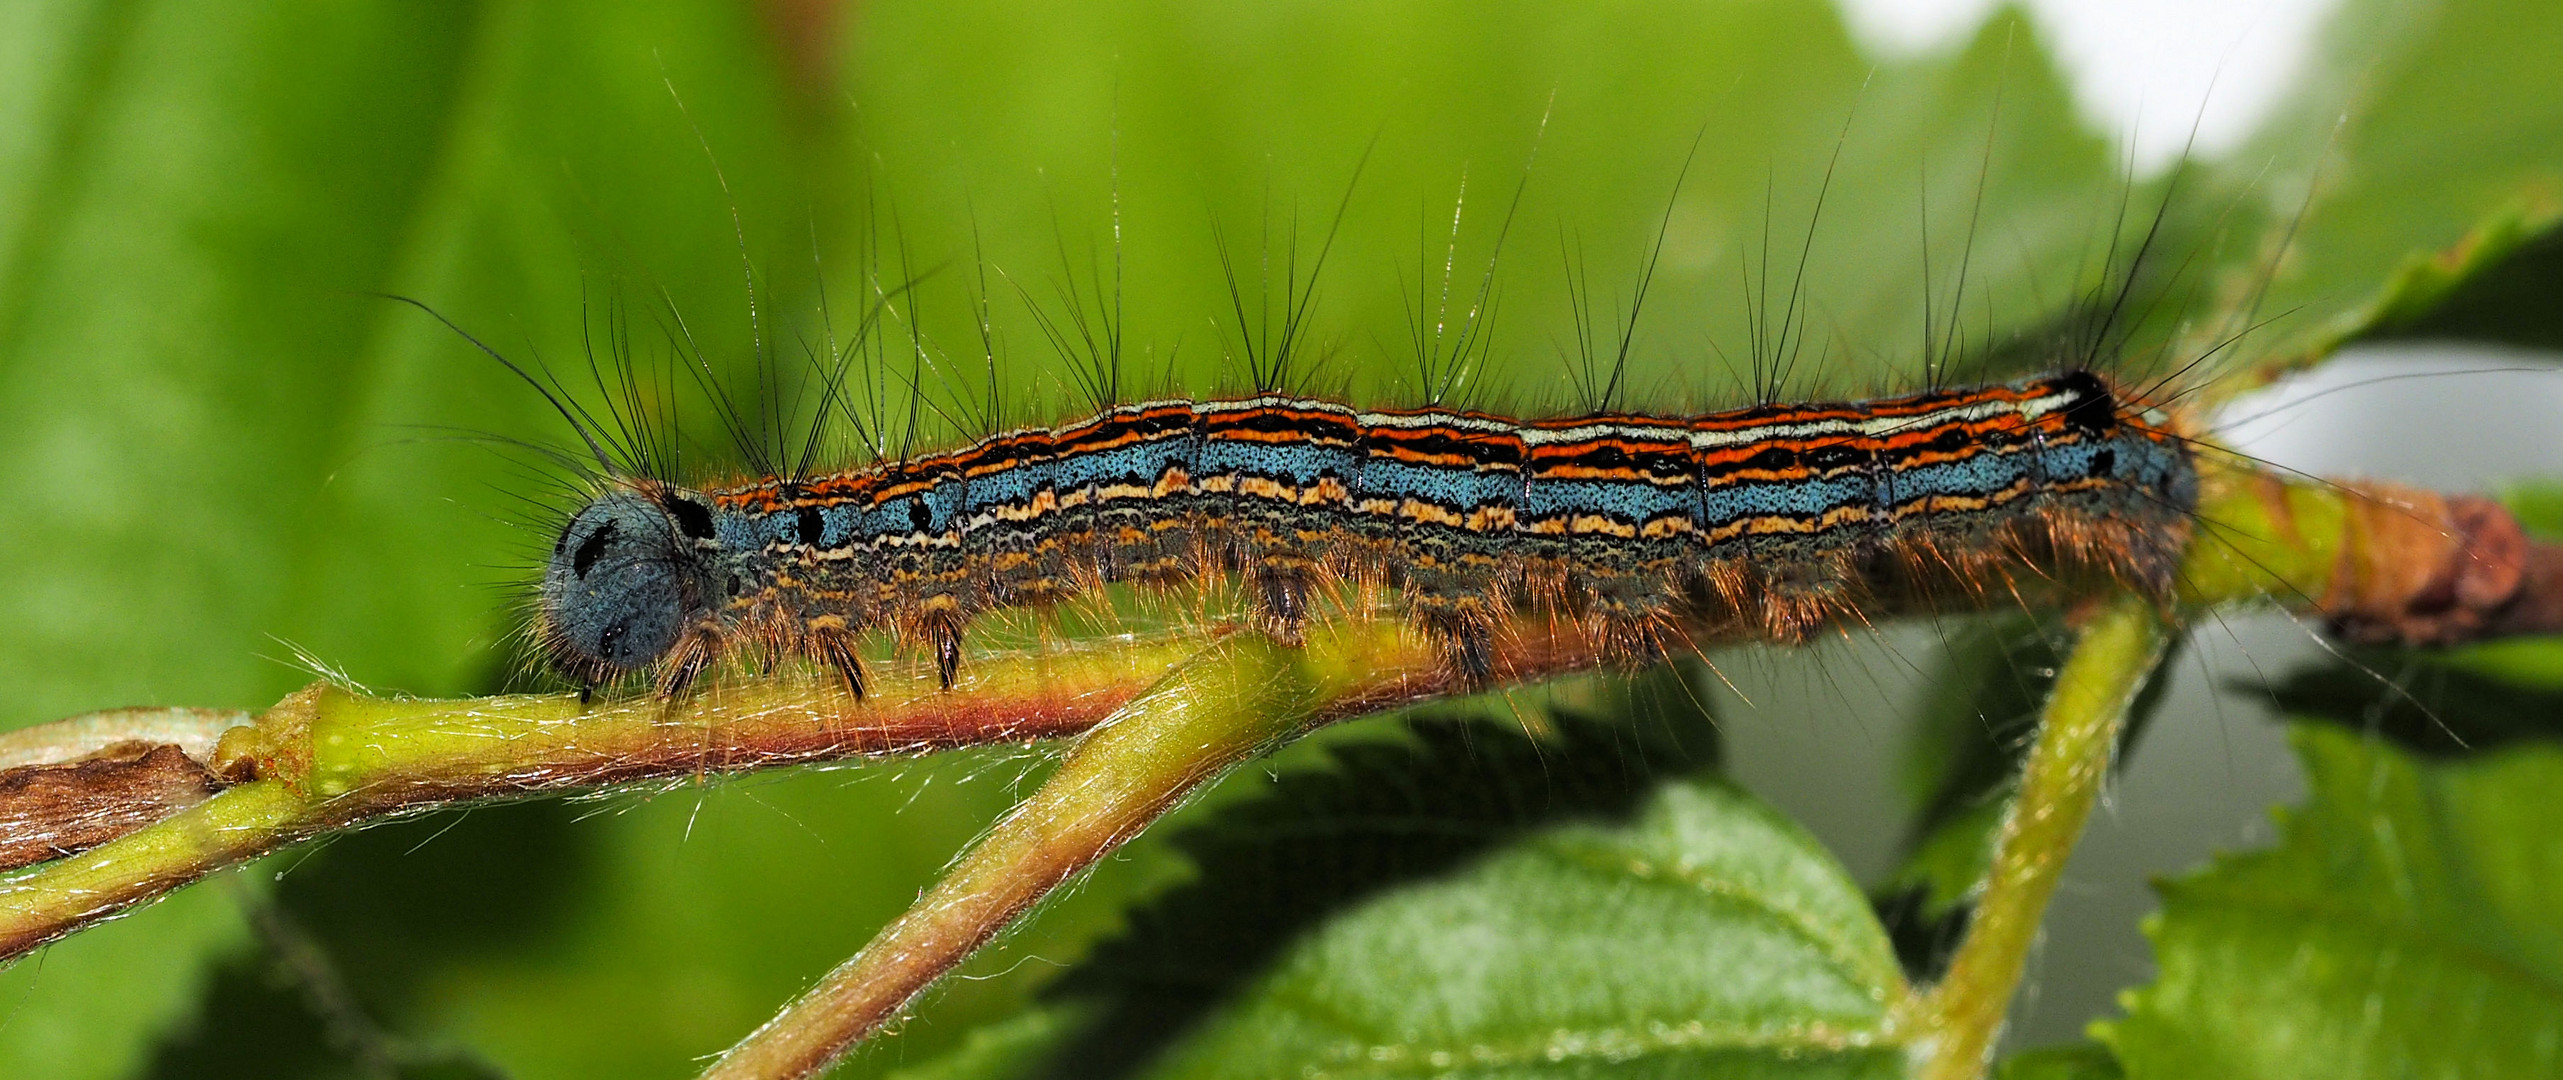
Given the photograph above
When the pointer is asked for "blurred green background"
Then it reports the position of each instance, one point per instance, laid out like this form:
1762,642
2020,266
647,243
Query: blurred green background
217,449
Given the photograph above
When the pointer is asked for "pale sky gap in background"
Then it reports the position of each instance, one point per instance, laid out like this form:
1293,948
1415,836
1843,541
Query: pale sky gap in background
2142,68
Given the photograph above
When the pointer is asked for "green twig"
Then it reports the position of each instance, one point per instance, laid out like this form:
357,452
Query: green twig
234,826
1222,707
2059,783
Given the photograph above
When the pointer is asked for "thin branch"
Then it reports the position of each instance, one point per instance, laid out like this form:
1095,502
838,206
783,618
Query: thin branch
2059,783
1222,707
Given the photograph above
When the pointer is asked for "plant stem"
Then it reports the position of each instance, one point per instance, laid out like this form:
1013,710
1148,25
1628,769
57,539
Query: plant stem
326,757
1222,707
340,758
1230,703
233,826
2059,783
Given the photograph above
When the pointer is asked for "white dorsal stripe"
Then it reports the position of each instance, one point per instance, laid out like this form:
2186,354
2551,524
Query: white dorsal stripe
2030,409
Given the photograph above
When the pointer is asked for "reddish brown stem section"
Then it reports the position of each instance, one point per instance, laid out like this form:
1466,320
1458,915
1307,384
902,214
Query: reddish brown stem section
49,811
2423,569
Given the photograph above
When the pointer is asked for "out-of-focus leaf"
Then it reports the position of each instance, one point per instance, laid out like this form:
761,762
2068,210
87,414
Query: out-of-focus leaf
214,440
1248,124
2403,926
714,906
2539,506
189,194
2442,703
2422,123
2082,1061
1016,1046
2497,284
1948,861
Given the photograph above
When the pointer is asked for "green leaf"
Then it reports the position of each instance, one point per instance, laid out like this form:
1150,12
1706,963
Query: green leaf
2081,1061
1360,815
2539,506
1406,909
1948,861
710,908
1707,933
1249,125
2403,926
2492,285
188,192
2434,135
2443,702
210,440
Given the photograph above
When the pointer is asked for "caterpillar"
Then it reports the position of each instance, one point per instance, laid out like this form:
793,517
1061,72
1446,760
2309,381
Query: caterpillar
1777,515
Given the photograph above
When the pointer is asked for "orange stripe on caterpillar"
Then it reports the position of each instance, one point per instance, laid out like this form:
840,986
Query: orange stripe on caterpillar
1779,515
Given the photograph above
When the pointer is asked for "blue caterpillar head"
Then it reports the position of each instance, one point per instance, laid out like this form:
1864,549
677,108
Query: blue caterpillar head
625,579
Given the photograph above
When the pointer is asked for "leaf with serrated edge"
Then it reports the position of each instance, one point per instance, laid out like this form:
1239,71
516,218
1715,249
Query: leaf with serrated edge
2404,926
1707,931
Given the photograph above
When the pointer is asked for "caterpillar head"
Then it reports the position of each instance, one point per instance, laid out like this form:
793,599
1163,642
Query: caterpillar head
625,580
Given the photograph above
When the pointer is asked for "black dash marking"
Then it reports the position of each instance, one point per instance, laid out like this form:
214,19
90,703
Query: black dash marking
1775,459
590,549
2094,412
1837,456
692,518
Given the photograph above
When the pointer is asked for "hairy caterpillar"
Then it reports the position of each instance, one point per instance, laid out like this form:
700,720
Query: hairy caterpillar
1777,515
1781,517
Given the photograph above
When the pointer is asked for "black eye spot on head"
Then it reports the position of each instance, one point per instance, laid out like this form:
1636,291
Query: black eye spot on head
590,548
2094,410
692,518
918,516
811,526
